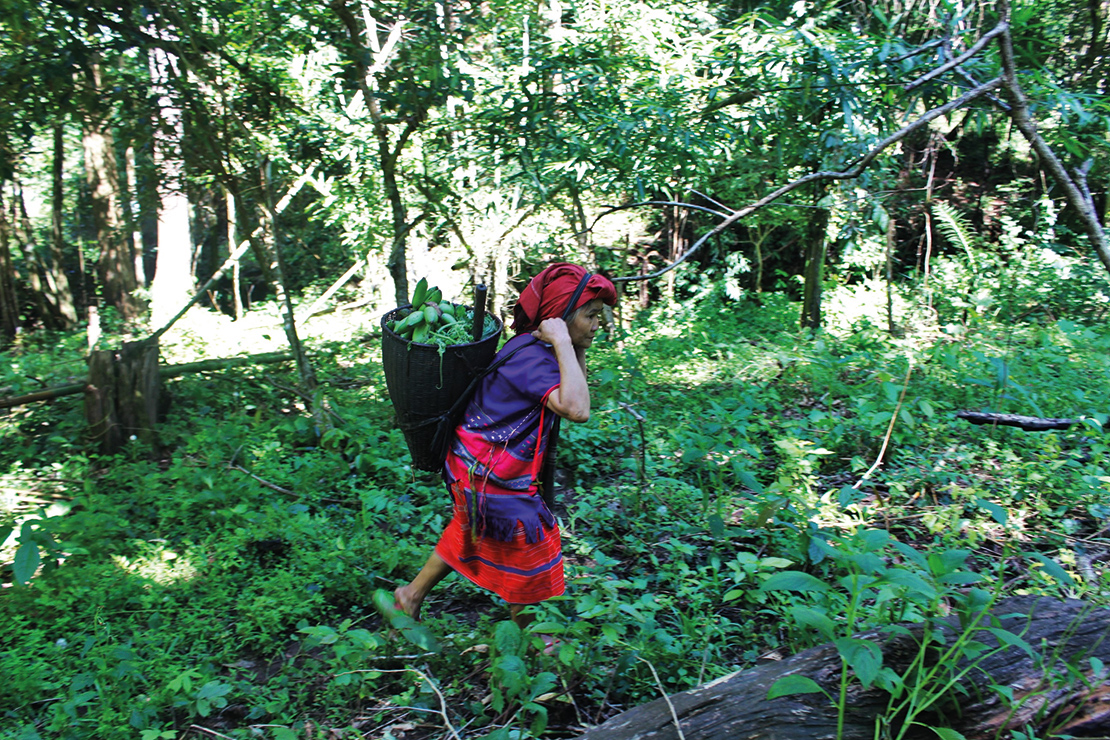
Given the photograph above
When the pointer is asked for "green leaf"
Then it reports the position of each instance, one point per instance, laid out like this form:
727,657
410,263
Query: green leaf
512,673
874,539
773,562
282,733
539,724
809,617
213,690
1053,568
944,733
862,656
909,553
1009,638
716,525
793,580
548,628
998,513
794,684
507,638
542,684
960,579
27,561
948,561
422,637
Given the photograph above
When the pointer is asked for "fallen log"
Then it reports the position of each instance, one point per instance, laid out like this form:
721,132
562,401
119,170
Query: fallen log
1057,691
170,371
1027,423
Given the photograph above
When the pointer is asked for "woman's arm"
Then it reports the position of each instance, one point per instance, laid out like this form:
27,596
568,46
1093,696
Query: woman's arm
571,400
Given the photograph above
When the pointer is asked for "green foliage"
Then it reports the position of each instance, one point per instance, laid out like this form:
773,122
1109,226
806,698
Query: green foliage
714,512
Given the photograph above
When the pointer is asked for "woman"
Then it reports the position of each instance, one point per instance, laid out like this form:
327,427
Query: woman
503,537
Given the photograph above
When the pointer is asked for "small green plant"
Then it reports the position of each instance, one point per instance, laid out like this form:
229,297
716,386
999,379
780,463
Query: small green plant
873,592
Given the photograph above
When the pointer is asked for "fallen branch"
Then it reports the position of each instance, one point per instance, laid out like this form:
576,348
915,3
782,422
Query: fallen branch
170,371
275,487
442,711
1027,423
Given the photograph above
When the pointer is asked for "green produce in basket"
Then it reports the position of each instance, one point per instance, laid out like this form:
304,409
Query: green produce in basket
437,322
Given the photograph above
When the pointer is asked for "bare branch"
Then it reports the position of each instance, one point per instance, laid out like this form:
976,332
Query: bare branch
918,50
1073,192
678,203
998,30
848,174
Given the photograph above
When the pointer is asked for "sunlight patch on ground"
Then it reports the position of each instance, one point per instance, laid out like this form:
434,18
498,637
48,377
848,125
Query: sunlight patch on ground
160,565
847,307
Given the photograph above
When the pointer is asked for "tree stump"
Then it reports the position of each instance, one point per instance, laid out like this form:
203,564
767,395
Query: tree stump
121,398
1056,692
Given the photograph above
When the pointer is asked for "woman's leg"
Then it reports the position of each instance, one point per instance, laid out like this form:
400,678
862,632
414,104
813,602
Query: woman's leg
409,598
521,620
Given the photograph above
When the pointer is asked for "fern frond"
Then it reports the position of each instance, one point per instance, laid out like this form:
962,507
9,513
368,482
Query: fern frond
956,229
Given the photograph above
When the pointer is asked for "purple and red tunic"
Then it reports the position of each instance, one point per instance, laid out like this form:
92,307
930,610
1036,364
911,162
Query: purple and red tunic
502,536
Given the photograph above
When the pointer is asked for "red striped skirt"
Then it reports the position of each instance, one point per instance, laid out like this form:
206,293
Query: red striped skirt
518,572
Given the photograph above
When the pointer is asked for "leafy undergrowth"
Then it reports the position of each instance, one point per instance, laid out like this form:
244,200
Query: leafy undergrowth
222,587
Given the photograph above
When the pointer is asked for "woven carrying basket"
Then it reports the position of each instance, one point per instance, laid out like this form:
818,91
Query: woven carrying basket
423,384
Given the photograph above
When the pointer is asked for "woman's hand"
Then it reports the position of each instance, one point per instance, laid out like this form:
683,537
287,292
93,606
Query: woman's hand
553,331
571,400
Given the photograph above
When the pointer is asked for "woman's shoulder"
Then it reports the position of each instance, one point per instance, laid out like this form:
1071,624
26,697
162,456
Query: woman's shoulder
524,347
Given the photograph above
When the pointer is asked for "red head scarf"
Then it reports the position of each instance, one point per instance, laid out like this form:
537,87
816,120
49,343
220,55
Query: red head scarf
548,293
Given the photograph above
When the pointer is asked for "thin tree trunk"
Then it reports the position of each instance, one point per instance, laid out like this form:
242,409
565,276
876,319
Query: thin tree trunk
815,264
115,264
270,238
9,306
132,212
581,230
890,275
232,240
389,151
56,279
1075,190
23,234
397,264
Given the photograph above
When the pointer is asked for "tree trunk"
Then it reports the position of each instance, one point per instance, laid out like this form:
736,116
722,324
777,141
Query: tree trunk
9,306
173,282
270,239
133,214
121,398
56,280
814,264
232,240
1055,692
23,234
115,263
890,276
397,264
389,151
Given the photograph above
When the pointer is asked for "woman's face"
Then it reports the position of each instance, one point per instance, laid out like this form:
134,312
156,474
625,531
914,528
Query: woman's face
584,324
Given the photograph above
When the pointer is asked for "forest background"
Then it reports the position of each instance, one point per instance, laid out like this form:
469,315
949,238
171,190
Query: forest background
778,407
